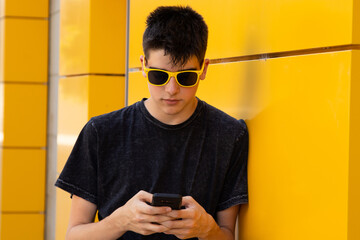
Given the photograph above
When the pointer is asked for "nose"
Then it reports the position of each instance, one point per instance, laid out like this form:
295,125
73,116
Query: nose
172,87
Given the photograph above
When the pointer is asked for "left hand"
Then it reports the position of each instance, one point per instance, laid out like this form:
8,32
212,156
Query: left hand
193,221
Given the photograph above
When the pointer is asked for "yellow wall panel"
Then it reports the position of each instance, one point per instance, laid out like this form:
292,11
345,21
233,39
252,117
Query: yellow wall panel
74,37
239,88
23,180
354,163
22,226
25,50
2,8
107,36
138,87
257,26
72,114
2,46
82,98
63,205
299,139
25,115
356,22
106,94
92,37
1,118
25,8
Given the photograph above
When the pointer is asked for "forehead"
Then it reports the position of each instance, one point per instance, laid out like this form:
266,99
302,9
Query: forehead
157,59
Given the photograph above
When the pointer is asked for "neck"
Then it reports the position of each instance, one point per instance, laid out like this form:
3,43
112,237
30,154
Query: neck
170,118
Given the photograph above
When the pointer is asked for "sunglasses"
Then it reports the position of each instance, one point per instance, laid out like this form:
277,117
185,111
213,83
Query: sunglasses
159,77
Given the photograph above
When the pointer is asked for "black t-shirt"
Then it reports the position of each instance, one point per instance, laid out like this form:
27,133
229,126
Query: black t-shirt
120,153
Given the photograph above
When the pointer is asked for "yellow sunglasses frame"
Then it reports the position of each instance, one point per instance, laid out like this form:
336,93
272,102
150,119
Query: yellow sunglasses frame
172,74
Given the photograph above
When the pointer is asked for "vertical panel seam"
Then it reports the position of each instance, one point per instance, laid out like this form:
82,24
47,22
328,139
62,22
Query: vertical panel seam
50,202
127,52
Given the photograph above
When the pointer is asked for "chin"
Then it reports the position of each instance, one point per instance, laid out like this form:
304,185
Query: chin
171,111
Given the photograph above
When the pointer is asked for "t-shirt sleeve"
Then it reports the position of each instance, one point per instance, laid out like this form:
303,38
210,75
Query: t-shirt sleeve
79,176
235,190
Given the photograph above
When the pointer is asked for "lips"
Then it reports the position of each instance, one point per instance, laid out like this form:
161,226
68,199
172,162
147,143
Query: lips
171,101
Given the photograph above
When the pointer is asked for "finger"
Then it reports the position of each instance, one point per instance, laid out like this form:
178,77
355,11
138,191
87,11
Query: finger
149,228
178,224
182,214
181,229
158,228
144,196
188,201
176,214
182,233
154,218
151,210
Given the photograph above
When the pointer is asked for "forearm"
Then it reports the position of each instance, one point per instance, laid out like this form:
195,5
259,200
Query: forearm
218,232
104,229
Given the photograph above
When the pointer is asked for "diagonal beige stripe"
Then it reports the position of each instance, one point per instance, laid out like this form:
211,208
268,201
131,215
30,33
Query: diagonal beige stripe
287,53
93,74
278,54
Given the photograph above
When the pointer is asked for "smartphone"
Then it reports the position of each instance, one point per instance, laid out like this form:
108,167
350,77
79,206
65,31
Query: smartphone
167,199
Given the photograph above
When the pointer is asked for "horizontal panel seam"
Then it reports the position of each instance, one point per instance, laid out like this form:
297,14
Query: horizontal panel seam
92,74
264,56
22,212
27,83
23,17
25,148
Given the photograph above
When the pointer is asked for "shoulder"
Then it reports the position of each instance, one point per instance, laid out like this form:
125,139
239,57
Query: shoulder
111,120
222,121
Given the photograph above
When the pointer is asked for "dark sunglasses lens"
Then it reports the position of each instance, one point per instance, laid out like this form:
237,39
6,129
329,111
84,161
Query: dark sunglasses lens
157,77
187,78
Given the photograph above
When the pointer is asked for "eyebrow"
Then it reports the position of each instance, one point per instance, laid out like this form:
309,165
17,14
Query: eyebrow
189,69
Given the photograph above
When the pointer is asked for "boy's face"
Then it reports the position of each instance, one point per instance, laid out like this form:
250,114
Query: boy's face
171,103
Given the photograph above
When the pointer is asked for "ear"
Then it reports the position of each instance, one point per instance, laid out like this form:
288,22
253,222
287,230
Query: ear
206,65
143,62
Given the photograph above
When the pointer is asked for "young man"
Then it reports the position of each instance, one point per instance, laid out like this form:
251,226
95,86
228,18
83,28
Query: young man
170,143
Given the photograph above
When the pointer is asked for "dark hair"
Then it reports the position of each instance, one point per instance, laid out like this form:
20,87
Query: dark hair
180,31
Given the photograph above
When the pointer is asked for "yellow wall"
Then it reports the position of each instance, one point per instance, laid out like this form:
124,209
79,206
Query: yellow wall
354,152
288,68
92,71
23,100
245,27
299,150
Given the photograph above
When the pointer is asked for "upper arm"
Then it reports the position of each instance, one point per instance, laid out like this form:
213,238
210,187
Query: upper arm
82,212
227,218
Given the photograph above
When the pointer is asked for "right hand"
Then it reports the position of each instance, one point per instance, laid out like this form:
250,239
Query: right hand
138,216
